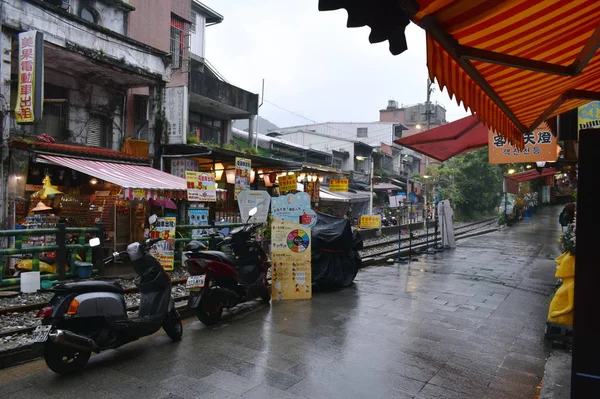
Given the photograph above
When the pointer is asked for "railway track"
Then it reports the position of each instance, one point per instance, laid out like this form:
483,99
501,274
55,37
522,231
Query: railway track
388,250
417,237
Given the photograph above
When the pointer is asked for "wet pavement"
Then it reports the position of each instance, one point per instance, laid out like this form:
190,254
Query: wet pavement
466,323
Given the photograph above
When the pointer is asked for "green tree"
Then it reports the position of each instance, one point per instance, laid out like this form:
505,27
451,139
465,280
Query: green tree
472,185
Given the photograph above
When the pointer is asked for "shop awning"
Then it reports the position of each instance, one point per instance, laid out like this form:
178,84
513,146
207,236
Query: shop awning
325,195
386,187
448,140
531,175
513,63
352,196
137,181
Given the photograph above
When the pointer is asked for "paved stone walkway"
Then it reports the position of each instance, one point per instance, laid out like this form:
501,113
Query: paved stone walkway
466,323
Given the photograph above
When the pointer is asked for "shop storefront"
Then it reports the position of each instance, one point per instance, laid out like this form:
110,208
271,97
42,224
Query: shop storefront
86,186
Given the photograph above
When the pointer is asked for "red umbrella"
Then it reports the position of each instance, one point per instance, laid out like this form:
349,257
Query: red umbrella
163,202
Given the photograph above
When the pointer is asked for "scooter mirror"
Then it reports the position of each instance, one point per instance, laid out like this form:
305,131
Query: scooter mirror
152,219
253,211
94,242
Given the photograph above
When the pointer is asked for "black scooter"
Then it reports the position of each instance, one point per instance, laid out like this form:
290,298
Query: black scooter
91,316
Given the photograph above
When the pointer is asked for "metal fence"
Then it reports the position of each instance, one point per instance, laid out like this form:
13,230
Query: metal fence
61,247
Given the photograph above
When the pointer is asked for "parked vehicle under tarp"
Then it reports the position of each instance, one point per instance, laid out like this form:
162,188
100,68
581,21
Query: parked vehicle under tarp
335,246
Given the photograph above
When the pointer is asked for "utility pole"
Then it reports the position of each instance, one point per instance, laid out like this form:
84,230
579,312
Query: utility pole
262,99
371,191
428,114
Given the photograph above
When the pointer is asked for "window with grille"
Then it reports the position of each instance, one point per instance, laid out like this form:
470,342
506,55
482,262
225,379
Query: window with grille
336,163
98,132
193,24
179,41
362,132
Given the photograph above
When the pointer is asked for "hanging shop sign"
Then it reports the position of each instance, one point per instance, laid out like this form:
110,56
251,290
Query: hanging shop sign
291,246
249,199
370,222
201,186
313,188
287,183
588,116
540,145
338,185
242,175
164,250
179,166
30,90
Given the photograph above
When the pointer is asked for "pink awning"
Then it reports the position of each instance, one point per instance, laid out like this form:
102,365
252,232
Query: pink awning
134,179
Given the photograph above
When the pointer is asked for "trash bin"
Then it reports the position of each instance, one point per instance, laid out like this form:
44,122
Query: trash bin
84,270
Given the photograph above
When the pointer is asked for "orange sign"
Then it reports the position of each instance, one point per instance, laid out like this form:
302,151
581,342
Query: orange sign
540,145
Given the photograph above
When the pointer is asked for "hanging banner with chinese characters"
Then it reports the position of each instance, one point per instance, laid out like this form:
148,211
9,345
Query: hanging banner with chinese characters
287,183
540,145
338,185
201,186
291,246
30,91
313,188
242,175
588,116
164,250
180,165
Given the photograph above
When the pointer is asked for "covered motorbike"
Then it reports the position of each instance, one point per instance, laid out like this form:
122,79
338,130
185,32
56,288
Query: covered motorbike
335,246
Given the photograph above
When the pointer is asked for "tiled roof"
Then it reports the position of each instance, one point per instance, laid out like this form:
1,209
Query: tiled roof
80,151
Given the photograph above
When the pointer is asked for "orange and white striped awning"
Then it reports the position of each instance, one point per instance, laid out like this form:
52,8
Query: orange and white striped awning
514,63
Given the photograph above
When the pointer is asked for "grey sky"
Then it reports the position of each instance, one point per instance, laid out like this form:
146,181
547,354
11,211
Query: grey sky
313,65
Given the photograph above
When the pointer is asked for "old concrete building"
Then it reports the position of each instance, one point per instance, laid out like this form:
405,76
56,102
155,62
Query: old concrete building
199,104
90,63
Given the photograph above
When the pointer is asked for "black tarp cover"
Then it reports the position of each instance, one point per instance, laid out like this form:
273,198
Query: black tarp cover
335,259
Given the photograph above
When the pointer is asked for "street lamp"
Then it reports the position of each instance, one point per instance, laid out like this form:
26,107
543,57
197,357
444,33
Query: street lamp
418,126
511,171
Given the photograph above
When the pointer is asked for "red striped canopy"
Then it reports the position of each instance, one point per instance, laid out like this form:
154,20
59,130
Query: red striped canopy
137,181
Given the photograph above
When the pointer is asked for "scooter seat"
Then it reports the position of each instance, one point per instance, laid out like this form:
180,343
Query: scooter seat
220,257
91,286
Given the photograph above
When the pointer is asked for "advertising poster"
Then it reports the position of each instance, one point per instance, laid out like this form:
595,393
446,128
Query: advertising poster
339,185
540,145
291,246
287,183
198,217
588,116
370,222
201,186
249,199
242,175
180,165
164,250
294,208
291,261
30,89
313,189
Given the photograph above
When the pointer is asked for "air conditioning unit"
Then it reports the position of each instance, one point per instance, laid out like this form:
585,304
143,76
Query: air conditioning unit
141,107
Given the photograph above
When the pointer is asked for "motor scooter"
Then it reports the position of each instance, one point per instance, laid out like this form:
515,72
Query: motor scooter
220,280
91,316
394,221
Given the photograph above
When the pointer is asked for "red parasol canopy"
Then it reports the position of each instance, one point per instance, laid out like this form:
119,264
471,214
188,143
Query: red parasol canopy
448,140
531,174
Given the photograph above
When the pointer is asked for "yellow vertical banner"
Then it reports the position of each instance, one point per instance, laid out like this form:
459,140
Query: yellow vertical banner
287,183
291,261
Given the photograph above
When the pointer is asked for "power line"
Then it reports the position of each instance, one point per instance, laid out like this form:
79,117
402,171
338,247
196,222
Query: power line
291,112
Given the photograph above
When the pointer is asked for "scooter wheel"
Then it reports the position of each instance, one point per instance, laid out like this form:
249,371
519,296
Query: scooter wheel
64,360
209,313
173,327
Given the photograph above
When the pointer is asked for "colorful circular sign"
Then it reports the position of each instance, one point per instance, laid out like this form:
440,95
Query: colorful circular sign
298,240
